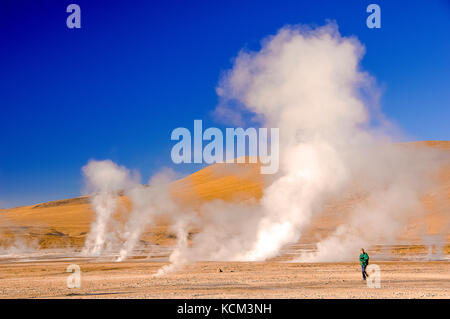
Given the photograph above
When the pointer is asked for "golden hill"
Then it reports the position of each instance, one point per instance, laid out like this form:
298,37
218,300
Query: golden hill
66,222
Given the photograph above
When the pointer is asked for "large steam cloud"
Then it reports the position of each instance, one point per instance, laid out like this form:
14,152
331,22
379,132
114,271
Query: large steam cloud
308,83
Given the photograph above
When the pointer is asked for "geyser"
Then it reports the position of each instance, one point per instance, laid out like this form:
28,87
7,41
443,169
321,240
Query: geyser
308,83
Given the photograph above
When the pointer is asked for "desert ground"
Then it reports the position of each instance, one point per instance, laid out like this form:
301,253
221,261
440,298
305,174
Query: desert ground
38,242
133,279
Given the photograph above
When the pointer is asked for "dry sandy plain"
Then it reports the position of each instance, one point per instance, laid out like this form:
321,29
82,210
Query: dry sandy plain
38,242
237,280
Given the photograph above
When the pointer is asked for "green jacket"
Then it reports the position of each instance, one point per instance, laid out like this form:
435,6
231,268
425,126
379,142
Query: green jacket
364,259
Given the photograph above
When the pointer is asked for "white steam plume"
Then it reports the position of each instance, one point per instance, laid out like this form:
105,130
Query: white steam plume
309,84
105,179
147,202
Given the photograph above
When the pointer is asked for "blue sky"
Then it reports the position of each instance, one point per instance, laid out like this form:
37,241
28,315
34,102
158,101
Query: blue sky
136,70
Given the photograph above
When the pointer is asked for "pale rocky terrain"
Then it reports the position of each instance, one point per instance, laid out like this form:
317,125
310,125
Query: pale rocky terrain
237,280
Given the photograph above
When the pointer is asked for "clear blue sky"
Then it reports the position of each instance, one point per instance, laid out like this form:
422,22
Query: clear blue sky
136,70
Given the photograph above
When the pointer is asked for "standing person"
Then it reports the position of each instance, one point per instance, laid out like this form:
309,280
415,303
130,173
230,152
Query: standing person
364,260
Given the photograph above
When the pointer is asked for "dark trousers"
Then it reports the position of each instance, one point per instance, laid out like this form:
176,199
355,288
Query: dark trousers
364,271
